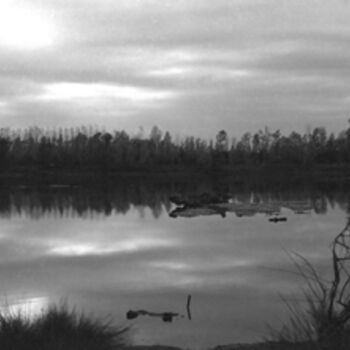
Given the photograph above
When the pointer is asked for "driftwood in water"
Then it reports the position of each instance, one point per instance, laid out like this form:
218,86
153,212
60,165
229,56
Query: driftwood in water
190,212
278,219
198,205
165,316
205,204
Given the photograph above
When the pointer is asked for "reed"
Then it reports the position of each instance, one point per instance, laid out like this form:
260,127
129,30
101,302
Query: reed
59,328
324,323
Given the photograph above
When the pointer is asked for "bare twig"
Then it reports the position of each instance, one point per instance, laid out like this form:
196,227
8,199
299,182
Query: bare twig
188,307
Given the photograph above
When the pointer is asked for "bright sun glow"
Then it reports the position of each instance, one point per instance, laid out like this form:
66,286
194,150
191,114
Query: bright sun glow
24,28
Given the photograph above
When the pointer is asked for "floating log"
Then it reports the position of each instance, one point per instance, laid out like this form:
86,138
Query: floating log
165,316
278,219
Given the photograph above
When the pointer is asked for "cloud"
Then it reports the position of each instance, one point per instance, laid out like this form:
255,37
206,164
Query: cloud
66,91
228,64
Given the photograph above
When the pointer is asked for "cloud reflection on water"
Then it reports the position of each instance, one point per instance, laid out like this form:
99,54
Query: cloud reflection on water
69,248
29,307
234,267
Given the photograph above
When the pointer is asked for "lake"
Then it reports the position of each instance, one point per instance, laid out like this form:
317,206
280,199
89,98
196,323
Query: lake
111,247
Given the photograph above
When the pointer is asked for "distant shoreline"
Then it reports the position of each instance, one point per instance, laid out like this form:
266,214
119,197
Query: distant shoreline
239,174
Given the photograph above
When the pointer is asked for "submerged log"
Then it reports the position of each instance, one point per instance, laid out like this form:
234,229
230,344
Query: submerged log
278,219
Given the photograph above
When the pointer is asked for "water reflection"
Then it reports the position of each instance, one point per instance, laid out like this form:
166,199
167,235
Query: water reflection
131,244
79,201
120,196
235,268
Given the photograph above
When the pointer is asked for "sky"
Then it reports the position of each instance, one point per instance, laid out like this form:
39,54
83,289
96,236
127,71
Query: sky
192,67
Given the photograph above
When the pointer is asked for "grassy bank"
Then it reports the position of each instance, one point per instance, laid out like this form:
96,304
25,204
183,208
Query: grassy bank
59,328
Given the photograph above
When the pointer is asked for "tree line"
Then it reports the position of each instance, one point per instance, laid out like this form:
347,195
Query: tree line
90,148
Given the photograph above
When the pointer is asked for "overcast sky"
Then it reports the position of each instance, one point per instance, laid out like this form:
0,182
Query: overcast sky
190,66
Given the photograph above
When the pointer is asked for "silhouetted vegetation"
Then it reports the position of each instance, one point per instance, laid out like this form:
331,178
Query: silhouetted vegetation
58,328
324,324
88,148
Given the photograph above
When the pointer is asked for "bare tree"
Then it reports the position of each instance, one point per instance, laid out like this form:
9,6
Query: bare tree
332,327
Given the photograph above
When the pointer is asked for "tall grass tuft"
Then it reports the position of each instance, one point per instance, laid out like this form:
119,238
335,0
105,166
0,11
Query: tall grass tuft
59,328
324,324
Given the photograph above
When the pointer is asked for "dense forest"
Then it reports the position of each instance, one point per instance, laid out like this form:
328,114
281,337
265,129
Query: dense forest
90,148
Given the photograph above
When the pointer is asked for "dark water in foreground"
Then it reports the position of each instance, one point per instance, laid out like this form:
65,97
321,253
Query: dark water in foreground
108,249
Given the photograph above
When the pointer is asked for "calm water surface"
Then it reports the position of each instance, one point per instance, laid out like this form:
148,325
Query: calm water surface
109,250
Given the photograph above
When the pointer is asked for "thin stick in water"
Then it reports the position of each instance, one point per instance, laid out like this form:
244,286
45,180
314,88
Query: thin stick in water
188,307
